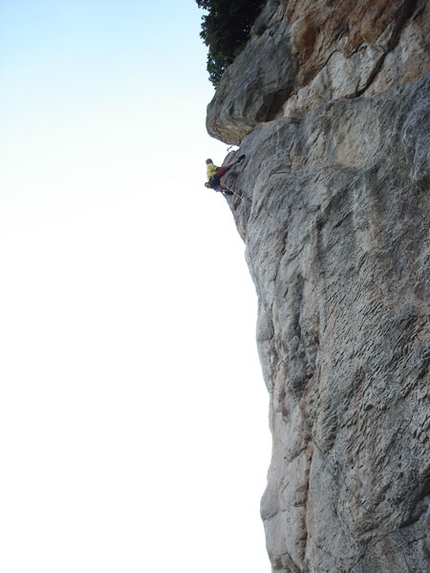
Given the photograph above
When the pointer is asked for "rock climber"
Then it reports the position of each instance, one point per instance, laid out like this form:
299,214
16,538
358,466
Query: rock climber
214,174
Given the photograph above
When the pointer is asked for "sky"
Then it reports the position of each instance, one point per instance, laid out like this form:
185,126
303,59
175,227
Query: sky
133,414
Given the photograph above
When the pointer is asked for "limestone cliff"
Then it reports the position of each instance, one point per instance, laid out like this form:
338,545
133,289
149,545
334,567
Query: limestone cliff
330,102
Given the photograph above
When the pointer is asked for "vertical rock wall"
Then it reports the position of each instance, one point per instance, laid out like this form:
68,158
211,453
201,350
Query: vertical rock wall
330,102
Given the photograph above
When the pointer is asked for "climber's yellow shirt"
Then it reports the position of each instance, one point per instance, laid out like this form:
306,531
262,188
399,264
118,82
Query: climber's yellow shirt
211,170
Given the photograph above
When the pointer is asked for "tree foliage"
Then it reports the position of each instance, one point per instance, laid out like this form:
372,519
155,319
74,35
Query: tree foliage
225,30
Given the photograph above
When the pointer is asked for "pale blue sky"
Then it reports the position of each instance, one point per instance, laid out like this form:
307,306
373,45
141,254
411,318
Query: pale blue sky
133,414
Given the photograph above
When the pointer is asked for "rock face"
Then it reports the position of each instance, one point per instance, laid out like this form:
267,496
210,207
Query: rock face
330,102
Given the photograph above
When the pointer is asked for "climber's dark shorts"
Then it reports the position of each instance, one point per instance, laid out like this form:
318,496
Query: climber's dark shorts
215,180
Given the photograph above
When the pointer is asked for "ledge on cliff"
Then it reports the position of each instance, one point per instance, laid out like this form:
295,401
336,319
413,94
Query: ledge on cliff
302,54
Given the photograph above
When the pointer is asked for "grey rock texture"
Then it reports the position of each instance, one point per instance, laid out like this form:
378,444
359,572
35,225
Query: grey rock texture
333,204
260,85
305,52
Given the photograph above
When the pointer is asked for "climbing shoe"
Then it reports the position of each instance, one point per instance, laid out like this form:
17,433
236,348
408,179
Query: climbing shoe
240,159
